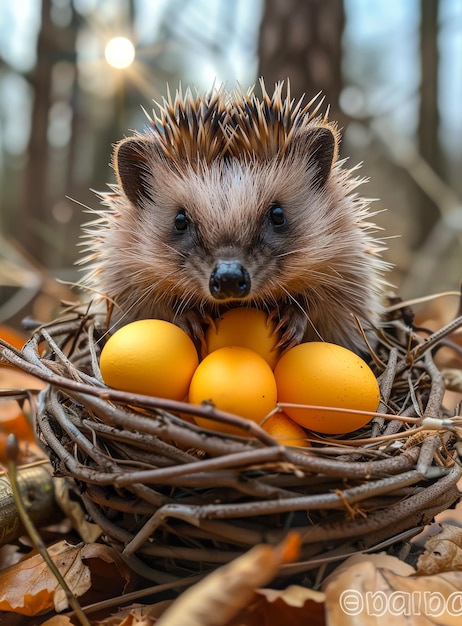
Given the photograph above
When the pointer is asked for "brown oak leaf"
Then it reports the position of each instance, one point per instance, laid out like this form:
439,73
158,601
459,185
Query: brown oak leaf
443,552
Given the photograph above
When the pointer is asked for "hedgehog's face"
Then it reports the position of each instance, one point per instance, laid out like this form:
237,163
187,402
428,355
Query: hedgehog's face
234,230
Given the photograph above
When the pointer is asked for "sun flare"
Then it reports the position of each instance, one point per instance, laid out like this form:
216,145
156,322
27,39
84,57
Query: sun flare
119,52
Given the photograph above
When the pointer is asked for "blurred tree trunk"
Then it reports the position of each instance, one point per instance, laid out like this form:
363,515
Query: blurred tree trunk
302,40
48,221
34,208
428,141
71,47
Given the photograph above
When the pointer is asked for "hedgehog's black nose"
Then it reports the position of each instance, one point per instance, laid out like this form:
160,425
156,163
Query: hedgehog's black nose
229,279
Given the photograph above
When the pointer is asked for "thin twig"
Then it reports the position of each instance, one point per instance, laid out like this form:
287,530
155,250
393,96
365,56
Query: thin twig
12,454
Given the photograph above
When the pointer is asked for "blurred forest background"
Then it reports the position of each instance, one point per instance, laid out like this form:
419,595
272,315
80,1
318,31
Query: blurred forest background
390,69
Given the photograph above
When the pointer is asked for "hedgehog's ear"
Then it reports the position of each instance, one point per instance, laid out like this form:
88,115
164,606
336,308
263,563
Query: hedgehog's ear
320,146
131,165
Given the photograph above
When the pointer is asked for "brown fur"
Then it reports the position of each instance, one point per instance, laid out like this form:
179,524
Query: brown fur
223,161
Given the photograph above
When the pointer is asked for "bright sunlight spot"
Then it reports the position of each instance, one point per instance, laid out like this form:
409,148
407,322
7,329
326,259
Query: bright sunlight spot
119,52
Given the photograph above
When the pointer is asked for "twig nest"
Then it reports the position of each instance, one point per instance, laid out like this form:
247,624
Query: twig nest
175,498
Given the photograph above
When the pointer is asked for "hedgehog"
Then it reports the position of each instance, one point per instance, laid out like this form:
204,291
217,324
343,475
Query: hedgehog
229,199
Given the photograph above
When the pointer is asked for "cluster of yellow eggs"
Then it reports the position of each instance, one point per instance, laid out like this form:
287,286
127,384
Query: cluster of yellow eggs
320,386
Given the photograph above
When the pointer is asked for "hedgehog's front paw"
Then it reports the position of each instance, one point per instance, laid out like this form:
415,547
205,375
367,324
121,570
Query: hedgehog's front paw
193,324
291,326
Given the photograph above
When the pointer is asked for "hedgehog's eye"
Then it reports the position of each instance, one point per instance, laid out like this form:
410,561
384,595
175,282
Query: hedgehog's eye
277,215
181,222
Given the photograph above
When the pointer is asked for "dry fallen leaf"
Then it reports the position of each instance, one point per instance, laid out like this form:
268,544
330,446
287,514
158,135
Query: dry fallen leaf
380,560
292,606
136,615
443,552
29,588
58,620
13,418
220,596
74,512
110,576
293,595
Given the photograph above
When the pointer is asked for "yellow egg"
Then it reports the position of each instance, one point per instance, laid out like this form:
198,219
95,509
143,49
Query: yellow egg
246,327
285,431
236,380
151,357
324,374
